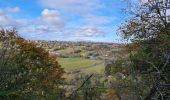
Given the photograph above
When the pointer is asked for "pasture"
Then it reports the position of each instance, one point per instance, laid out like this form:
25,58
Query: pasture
84,65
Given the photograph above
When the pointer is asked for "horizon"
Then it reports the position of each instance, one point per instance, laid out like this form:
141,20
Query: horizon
80,41
73,20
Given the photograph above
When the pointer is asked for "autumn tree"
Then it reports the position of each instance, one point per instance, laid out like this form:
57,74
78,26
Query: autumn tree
26,71
149,33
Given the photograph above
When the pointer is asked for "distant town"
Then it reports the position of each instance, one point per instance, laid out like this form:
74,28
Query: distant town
83,49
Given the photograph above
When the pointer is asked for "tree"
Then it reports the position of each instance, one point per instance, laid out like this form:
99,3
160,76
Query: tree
149,33
26,71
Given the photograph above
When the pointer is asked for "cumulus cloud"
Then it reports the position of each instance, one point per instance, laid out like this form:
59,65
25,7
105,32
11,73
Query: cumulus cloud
74,6
52,17
51,22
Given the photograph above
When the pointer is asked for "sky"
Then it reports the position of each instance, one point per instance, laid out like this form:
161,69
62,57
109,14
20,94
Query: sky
64,20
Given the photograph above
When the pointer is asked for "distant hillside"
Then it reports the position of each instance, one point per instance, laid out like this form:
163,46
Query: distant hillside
89,50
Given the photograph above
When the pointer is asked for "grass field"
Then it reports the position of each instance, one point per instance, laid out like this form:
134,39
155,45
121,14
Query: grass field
98,69
67,50
86,65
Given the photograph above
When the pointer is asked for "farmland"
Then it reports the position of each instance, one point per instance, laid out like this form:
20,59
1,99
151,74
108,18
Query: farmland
76,63
75,67
82,57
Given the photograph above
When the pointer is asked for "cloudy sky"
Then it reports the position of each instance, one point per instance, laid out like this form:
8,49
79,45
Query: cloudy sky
66,20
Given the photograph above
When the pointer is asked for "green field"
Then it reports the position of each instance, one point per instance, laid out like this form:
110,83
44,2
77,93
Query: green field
99,69
85,65
66,50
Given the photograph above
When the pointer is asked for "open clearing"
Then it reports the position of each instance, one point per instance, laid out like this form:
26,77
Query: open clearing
85,65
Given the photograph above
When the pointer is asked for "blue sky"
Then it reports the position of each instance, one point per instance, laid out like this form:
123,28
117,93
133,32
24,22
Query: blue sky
66,20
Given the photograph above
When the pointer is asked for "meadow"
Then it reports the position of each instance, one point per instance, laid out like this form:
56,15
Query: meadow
84,65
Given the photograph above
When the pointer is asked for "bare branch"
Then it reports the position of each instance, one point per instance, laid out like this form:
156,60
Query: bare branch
153,66
81,85
166,63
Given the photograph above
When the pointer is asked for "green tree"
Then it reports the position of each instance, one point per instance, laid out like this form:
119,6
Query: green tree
149,33
26,71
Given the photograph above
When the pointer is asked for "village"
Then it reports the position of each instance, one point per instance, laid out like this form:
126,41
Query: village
87,50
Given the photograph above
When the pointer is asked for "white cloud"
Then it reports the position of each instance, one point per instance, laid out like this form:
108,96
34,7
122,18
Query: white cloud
35,29
10,10
4,20
73,6
51,22
89,31
13,9
7,21
42,28
52,18
93,19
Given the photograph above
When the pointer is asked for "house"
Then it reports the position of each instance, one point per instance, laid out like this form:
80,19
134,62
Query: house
91,57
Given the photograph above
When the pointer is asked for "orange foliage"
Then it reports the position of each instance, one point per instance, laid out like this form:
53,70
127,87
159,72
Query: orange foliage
42,68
